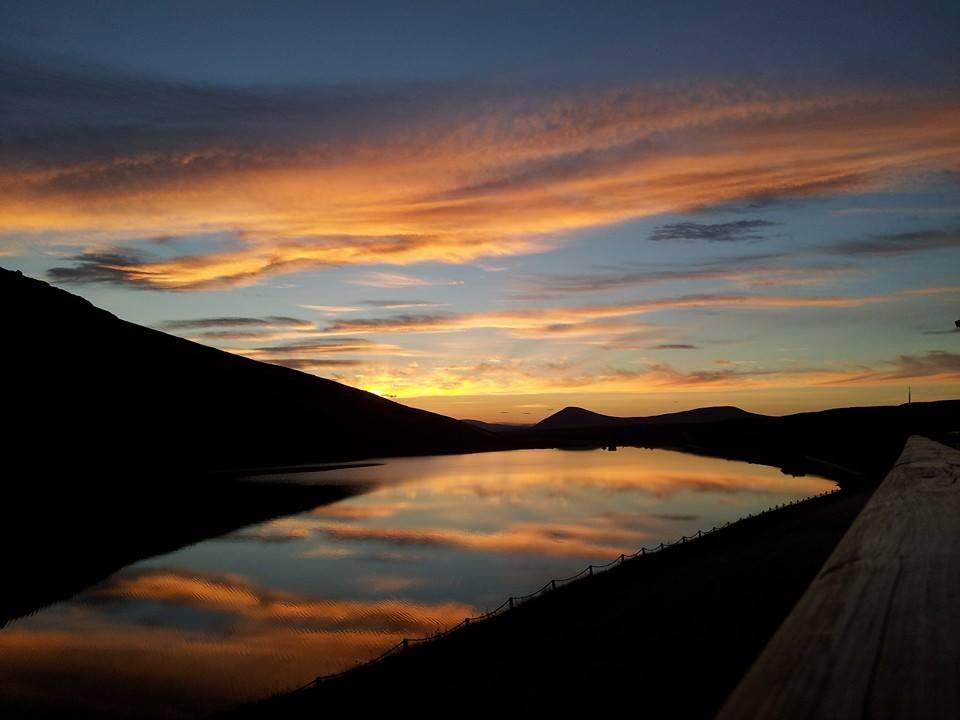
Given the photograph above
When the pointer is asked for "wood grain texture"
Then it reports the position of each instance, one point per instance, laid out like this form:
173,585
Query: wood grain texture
877,634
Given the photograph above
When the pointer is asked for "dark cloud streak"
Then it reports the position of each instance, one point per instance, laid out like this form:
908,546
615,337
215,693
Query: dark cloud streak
759,269
895,244
738,230
313,363
90,116
270,321
103,268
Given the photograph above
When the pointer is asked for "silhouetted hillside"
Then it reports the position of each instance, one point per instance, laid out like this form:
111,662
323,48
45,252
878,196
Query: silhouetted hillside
850,445
88,390
112,429
576,417
110,426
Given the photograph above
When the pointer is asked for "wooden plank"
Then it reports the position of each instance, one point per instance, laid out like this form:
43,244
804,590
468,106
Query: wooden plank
877,634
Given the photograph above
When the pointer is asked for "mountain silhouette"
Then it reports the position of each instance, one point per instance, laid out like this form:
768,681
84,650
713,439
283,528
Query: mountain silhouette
87,389
497,427
577,417
114,432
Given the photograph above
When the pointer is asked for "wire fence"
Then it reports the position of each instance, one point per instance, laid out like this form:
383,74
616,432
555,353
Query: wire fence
515,601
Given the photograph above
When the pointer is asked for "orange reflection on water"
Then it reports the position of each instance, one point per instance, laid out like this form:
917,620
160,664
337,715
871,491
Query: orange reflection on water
263,607
505,475
85,660
546,502
431,541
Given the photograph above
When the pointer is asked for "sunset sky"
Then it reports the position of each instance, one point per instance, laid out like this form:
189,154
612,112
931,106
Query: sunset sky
494,210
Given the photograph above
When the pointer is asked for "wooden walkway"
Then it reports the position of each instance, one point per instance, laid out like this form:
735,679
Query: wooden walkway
877,634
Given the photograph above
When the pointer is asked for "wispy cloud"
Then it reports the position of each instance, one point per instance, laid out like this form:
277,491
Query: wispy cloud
103,268
738,230
324,345
310,364
304,354
269,322
332,309
400,304
894,244
900,210
378,304
933,366
814,266
259,259
533,376
312,178
938,364
398,280
746,271
561,319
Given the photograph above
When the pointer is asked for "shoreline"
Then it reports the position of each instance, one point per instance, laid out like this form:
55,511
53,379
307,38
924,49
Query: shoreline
717,600
588,573
94,533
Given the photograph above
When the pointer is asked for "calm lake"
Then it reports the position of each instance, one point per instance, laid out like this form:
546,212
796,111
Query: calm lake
427,542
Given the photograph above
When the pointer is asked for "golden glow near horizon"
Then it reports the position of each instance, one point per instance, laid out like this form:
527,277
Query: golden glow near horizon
744,245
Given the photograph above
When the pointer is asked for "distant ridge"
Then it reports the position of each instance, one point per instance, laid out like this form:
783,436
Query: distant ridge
577,417
497,427
87,389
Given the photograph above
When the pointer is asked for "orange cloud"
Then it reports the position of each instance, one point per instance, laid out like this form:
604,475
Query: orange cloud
508,179
543,320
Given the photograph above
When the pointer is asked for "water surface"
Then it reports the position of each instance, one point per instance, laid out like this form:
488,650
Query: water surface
426,543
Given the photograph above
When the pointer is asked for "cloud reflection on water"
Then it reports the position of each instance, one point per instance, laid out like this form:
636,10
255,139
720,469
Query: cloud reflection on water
436,540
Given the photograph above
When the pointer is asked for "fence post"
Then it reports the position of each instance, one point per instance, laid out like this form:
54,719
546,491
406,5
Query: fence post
590,570
621,558
466,622
643,551
699,533
511,603
406,644
553,584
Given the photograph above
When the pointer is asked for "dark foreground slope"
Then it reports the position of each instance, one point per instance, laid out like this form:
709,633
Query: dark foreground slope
668,635
88,390
112,430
